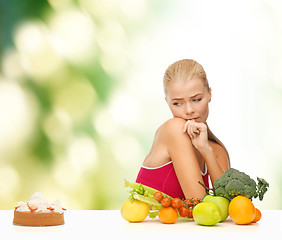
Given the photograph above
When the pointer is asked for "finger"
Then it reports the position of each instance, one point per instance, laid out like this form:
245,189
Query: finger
194,130
193,135
185,126
190,131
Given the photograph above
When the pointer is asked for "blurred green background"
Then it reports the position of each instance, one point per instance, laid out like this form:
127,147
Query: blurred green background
81,91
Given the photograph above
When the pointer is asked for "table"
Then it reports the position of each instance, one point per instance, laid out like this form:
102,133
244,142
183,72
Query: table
108,224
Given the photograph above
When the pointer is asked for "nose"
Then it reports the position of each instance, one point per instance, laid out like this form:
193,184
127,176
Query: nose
189,109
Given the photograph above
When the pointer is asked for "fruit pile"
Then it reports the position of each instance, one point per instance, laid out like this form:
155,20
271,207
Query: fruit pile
216,209
211,210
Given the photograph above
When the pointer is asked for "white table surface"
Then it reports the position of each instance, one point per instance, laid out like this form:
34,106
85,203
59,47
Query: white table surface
106,224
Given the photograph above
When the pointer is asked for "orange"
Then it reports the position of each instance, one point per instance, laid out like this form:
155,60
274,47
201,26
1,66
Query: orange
168,215
241,210
257,216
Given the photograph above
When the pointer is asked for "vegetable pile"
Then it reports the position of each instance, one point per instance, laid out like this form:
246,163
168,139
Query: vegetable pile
231,195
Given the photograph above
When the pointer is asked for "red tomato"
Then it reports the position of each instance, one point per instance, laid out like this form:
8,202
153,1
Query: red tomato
166,202
158,196
191,202
176,203
183,211
190,213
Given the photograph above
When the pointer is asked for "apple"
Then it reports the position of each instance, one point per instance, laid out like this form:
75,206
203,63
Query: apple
221,202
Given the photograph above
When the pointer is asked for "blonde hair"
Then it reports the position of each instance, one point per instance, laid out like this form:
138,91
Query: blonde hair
185,70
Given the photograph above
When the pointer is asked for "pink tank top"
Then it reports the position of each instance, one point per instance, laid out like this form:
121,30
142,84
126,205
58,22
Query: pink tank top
164,179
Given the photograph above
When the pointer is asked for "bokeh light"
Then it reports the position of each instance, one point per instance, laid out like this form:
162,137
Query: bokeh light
18,115
73,35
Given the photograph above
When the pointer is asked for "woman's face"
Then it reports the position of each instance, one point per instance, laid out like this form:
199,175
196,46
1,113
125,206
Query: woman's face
189,100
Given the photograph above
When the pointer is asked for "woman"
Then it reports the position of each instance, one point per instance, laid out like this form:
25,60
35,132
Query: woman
184,150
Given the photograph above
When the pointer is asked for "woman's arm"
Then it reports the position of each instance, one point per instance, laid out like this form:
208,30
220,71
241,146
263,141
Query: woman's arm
214,155
182,154
216,160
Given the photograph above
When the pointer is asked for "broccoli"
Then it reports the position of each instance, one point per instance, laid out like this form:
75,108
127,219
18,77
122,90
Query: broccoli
233,183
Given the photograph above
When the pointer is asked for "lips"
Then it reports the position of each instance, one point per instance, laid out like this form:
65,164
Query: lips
195,119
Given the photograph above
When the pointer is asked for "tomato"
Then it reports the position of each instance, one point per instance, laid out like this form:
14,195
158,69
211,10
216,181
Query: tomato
190,213
166,202
183,211
176,203
189,203
158,196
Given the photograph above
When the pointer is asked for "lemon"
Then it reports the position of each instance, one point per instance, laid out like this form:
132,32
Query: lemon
134,211
206,213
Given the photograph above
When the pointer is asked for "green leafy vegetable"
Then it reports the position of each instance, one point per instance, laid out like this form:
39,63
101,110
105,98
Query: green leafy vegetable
261,188
233,183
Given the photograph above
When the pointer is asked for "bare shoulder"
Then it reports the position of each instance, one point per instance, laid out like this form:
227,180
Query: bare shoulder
165,135
173,125
172,131
175,121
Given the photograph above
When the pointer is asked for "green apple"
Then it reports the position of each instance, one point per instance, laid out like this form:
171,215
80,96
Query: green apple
221,202
206,213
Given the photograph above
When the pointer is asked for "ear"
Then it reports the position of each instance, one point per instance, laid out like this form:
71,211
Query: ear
210,94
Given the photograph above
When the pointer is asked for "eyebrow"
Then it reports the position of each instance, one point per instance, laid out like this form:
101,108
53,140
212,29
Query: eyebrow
196,95
181,98
177,98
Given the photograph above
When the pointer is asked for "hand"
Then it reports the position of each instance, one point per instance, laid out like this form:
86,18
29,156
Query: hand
198,133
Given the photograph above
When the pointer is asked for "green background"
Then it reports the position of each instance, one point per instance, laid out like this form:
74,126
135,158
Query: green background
81,91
